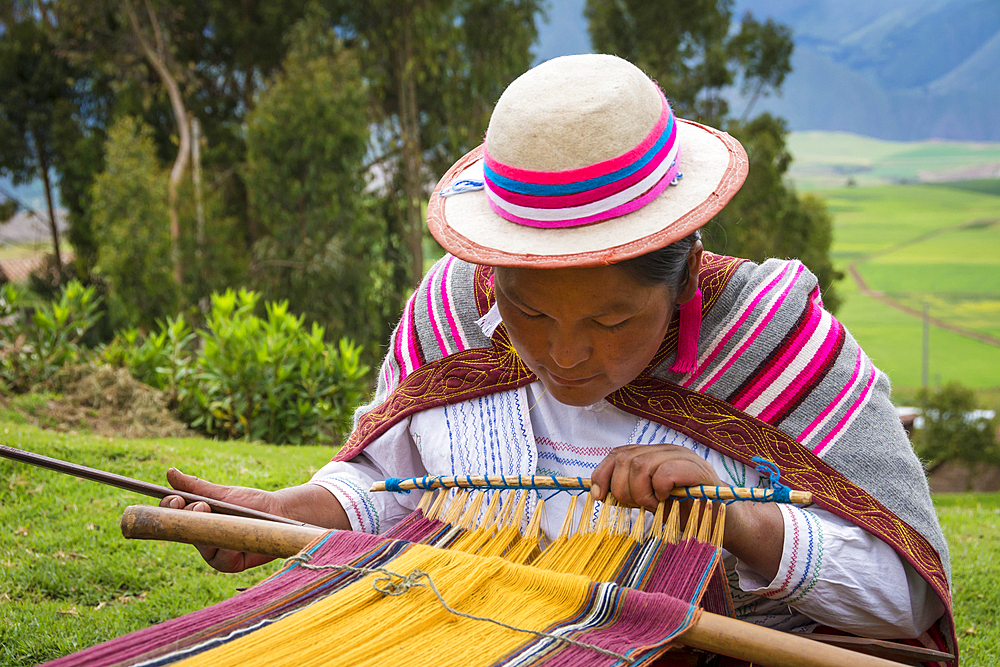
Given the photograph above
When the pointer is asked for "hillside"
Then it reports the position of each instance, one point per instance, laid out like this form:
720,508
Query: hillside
891,69
835,159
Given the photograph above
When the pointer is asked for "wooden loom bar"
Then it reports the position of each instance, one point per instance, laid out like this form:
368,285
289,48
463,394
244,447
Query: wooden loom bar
138,486
583,483
710,632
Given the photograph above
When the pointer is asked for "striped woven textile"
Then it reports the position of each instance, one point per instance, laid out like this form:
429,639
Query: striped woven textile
358,599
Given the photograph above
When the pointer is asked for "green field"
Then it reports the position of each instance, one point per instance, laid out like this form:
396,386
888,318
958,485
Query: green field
830,159
936,244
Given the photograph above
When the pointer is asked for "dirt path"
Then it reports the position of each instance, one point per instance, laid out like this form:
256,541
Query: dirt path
889,301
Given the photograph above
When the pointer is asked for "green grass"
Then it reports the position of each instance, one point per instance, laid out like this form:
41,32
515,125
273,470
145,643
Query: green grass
829,159
971,524
25,250
894,341
986,186
69,580
915,243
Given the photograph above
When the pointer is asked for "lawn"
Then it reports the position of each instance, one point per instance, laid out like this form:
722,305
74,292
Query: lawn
68,579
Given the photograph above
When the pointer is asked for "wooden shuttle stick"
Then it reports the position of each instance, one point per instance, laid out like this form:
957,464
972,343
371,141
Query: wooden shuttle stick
711,632
572,483
146,522
138,486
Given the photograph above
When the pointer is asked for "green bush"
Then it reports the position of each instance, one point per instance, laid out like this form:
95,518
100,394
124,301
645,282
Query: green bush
270,379
34,345
952,431
161,359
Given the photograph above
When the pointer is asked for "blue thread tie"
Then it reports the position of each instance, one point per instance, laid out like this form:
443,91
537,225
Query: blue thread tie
780,492
464,185
392,484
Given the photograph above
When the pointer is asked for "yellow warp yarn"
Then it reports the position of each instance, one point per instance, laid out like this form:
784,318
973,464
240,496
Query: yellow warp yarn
355,625
491,569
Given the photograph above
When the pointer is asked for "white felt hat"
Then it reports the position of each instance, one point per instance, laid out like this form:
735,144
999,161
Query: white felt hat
571,115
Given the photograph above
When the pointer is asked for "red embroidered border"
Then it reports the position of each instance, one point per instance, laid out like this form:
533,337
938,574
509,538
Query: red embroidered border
726,429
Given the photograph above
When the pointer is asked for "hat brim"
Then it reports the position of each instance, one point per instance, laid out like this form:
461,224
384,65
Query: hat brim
714,166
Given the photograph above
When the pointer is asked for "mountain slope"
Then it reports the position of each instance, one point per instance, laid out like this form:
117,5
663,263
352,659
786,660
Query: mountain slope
892,69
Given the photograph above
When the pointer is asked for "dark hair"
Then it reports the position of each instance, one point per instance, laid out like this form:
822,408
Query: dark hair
666,266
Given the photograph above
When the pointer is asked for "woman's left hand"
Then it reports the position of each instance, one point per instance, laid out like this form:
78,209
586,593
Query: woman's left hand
643,475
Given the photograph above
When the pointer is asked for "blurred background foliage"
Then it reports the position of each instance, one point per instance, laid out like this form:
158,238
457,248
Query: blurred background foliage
289,147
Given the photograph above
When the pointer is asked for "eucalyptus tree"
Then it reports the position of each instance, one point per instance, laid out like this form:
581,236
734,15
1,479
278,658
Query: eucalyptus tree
37,108
435,69
319,237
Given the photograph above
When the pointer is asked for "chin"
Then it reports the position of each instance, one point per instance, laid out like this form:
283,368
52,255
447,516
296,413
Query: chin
579,397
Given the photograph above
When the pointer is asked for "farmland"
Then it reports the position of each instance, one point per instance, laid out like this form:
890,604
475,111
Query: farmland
914,244
919,244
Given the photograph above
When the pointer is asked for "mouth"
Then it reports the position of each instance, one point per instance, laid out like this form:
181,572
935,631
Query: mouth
570,382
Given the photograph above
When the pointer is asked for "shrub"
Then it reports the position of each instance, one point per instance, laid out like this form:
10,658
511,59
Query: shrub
160,359
952,429
34,345
268,379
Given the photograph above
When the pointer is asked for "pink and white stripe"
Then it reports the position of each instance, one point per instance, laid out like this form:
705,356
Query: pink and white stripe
626,201
779,287
811,434
406,351
852,412
799,362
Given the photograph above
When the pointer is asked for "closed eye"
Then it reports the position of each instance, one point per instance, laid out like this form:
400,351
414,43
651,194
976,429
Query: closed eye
527,314
614,327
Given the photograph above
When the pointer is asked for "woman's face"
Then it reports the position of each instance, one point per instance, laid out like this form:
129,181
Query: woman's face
585,332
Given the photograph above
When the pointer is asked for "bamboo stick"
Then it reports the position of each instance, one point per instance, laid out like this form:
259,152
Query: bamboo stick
572,483
710,632
138,486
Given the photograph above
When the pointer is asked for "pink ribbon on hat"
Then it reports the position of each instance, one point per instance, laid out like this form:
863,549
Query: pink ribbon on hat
590,194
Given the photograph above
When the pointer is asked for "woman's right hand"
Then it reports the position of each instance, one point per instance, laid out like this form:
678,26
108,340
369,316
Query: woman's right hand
308,503
223,560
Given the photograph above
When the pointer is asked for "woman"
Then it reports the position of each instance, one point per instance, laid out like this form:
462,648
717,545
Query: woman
578,327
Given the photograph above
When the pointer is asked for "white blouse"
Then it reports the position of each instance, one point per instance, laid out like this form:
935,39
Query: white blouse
832,572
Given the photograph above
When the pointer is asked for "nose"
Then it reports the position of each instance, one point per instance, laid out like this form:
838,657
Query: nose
567,348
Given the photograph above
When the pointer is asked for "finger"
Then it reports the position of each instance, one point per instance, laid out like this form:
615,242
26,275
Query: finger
200,487
225,560
640,481
173,502
601,477
620,484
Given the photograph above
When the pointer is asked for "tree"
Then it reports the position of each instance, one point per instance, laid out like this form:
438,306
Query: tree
952,431
161,59
166,62
306,143
435,68
38,98
764,51
131,221
766,218
692,51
